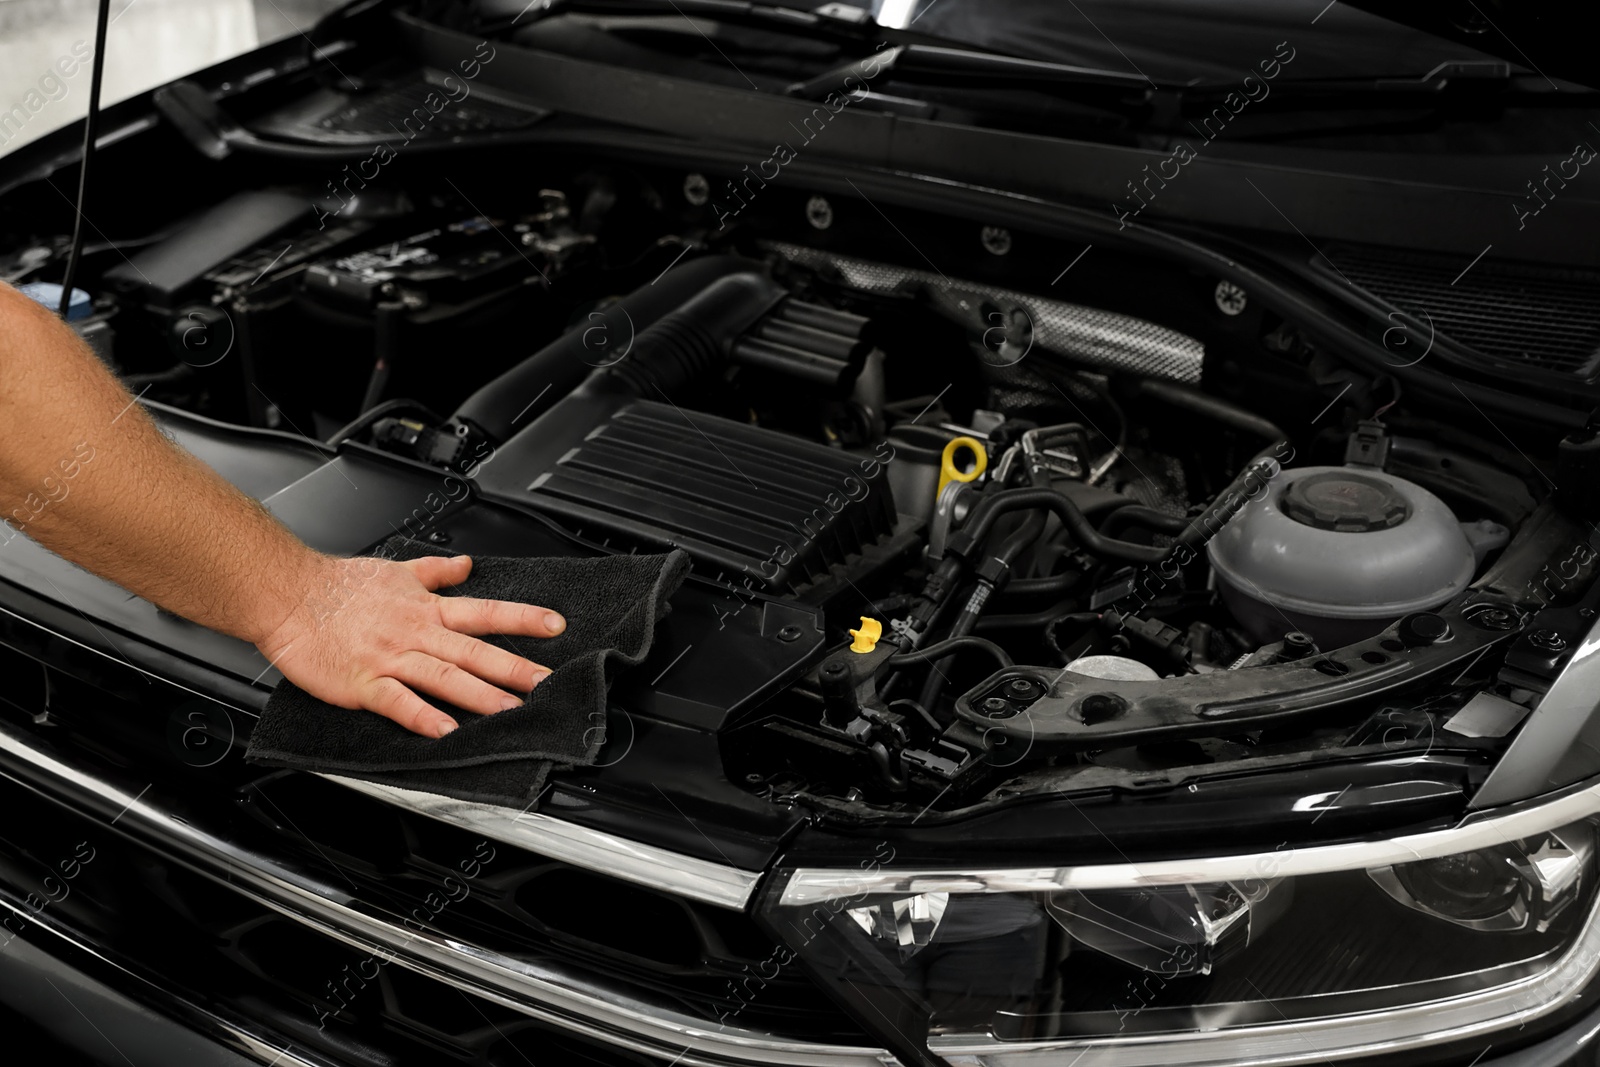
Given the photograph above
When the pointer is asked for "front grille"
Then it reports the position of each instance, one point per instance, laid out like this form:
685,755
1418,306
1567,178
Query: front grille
207,941
526,906
202,945
1518,314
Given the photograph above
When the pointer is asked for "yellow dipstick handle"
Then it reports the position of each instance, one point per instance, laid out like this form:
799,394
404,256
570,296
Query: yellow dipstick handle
947,466
866,638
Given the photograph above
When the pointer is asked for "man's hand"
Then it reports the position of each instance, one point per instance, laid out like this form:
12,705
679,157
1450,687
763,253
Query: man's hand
373,631
357,633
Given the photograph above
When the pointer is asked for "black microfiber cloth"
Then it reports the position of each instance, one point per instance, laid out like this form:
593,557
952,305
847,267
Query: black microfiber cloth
611,604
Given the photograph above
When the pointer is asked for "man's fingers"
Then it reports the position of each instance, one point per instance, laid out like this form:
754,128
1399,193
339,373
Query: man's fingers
449,682
394,701
486,661
469,615
436,572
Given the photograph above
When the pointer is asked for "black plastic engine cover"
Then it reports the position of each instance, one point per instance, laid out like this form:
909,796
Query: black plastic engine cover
762,509
747,500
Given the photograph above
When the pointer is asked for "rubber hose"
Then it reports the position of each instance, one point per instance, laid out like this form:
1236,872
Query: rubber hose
1055,583
1060,611
568,360
954,644
1139,515
1212,407
684,344
984,514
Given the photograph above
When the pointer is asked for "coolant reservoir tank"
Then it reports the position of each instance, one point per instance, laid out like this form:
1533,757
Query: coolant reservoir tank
1339,553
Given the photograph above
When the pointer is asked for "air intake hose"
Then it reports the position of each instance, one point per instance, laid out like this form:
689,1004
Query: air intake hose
675,350
687,343
533,386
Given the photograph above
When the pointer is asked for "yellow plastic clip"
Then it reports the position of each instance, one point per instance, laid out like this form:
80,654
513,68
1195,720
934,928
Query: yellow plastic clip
948,472
866,638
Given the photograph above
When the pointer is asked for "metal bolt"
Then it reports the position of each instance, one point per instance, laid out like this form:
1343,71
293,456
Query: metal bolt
696,189
1494,619
1230,298
996,706
439,537
789,633
996,240
1548,640
819,213
1022,688
1297,645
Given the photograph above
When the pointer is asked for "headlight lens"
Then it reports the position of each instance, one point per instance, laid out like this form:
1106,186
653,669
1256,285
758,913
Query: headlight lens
1509,888
1274,966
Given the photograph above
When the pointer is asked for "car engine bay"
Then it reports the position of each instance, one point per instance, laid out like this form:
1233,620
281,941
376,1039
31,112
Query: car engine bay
1116,530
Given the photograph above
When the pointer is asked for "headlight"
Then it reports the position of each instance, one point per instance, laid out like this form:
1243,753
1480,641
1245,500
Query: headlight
1297,955
1508,888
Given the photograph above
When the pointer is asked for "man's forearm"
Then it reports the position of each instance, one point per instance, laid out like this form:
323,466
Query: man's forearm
85,472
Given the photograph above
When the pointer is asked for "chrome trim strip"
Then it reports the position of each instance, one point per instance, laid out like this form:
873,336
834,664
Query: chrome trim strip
631,861
1539,758
265,1053
1378,1033
816,885
540,989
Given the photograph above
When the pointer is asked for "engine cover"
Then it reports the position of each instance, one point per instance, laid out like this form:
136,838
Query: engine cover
749,501
762,508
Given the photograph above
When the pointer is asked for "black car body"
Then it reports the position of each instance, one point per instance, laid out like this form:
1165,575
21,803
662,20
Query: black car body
960,327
